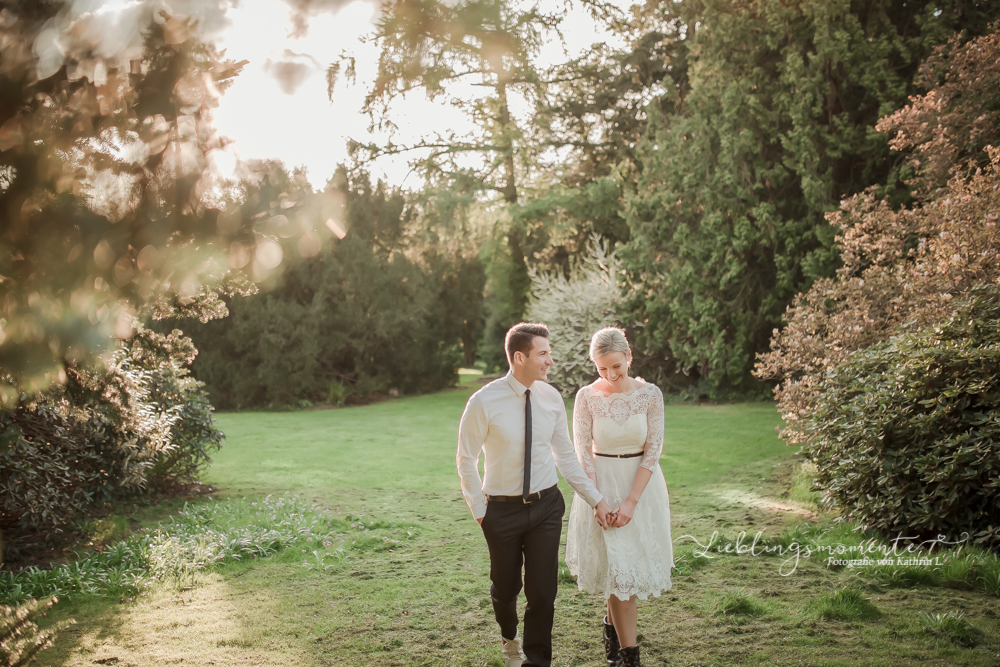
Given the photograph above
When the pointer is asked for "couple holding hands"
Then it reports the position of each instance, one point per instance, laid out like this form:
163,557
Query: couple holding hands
618,542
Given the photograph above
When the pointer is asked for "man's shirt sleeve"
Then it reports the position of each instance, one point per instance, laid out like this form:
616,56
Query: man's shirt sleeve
565,458
471,436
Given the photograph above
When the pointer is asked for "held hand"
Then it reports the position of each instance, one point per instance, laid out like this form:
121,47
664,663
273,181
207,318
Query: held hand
623,515
603,515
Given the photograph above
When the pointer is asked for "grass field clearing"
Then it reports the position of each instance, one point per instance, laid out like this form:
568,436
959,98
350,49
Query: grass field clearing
425,601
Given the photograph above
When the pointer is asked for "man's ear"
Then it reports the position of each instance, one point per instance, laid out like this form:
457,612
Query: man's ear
519,357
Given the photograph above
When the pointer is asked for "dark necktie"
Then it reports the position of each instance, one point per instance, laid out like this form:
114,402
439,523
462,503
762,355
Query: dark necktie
527,445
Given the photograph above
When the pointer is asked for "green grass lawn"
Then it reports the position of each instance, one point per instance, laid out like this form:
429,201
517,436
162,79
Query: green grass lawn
424,600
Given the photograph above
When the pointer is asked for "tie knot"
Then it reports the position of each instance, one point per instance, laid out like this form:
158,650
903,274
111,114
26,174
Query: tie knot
527,393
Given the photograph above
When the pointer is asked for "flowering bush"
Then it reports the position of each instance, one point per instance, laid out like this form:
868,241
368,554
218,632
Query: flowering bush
574,308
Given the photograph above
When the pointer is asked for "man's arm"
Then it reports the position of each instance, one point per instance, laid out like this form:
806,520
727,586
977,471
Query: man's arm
569,466
471,435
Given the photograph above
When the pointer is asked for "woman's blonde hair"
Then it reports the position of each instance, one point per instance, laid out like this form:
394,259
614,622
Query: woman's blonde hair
607,340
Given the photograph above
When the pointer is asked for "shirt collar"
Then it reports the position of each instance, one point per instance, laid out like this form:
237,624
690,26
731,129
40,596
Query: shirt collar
518,388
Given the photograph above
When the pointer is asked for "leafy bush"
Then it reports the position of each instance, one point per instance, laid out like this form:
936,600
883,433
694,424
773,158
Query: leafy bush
20,638
574,308
903,266
906,433
112,430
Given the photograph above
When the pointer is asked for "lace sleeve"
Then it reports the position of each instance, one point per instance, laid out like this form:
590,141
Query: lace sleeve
583,431
654,430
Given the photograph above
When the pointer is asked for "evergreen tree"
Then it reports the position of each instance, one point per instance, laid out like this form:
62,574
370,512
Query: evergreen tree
373,311
773,126
107,207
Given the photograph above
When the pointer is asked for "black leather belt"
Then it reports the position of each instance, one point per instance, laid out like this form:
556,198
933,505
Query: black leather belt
619,456
532,497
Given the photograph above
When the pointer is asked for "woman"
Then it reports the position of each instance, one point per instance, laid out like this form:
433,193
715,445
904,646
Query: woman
618,432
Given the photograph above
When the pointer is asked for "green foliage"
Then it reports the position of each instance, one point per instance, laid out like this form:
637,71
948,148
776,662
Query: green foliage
951,626
107,208
905,434
202,537
356,320
20,638
115,428
775,126
738,603
846,604
574,308
902,267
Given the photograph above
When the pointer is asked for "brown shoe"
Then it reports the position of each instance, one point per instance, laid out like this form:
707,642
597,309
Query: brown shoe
630,657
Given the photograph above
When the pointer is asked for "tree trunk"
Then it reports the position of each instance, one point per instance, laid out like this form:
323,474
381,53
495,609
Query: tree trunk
519,282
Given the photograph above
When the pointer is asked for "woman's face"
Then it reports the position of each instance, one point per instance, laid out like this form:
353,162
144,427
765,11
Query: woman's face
613,367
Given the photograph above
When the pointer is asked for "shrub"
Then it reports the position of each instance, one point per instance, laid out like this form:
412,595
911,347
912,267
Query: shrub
906,433
574,308
113,429
371,313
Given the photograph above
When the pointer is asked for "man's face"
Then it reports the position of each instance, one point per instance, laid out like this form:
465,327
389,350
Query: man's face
536,364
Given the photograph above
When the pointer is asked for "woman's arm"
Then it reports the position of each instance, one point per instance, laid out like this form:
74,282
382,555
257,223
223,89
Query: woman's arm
583,434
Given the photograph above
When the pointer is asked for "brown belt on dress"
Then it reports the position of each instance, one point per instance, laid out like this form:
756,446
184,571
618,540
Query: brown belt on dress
619,456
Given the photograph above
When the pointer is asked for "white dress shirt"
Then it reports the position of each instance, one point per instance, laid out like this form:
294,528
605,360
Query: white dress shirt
493,424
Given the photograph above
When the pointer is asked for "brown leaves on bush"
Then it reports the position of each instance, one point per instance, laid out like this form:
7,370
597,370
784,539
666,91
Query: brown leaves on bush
957,118
902,268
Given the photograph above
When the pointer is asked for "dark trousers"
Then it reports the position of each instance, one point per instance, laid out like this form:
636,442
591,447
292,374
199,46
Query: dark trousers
519,534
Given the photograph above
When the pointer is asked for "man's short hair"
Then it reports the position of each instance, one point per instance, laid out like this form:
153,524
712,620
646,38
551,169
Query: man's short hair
521,338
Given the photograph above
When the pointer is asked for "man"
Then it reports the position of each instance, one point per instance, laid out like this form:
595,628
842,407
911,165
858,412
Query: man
515,420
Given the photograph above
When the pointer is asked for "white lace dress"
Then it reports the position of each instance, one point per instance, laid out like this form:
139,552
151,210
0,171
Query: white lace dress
635,559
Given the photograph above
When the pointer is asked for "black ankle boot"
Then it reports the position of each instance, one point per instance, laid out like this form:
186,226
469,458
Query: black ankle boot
612,650
630,657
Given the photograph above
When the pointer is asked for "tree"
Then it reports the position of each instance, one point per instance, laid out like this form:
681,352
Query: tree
775,127
481,44
109,203
379,309
902,268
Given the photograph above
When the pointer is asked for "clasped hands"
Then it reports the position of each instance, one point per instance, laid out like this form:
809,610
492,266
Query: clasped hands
617,518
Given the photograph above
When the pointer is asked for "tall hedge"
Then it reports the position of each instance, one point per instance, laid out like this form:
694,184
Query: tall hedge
906,433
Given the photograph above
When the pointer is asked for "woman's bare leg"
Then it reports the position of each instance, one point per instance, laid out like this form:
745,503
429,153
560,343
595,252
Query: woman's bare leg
625,617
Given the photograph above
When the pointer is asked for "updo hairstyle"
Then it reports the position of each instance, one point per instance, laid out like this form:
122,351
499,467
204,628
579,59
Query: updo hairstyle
607,340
